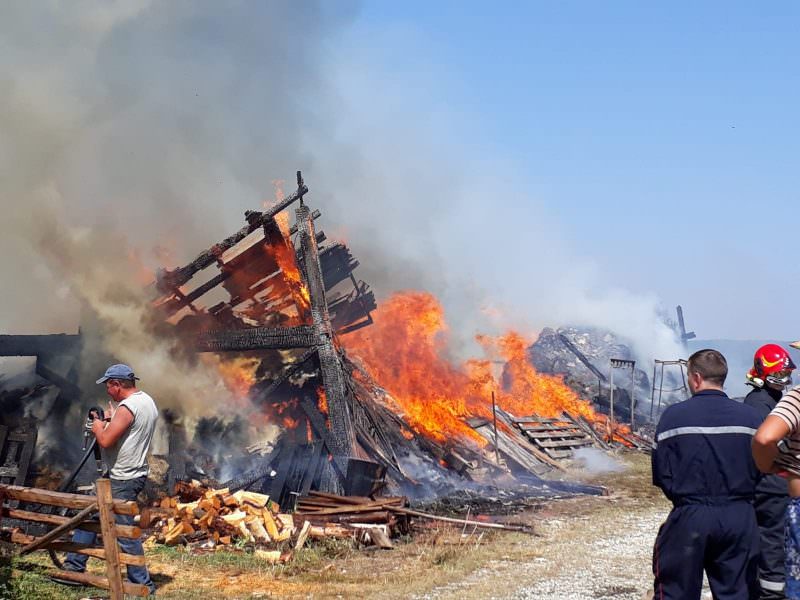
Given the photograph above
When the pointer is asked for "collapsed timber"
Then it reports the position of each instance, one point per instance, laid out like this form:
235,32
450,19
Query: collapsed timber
347,458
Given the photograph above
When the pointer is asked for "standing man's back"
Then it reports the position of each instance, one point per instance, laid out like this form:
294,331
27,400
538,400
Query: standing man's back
703,463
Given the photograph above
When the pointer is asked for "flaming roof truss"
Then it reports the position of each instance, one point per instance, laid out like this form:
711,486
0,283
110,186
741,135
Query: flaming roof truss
278,301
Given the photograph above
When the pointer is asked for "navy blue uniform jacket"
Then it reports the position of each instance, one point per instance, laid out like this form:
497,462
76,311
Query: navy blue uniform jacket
702,451
764,400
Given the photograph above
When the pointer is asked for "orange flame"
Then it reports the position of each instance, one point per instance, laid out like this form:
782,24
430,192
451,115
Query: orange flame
403,352
287,262
238,374
322,400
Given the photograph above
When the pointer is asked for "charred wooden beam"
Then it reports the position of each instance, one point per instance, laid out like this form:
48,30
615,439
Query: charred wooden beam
337,264
342,436
39,345
262,470
257,338
265,392
582,357
167,281
352,311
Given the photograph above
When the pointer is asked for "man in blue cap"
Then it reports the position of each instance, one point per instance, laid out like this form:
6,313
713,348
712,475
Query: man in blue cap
125,441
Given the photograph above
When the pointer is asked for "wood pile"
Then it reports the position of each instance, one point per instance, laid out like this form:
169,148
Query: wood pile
211,519
367,520
216,517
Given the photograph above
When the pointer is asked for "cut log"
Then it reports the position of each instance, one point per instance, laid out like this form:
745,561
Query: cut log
256,527
270,556
303,535
379,538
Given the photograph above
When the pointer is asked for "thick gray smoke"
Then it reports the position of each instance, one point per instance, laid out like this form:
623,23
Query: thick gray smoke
135,134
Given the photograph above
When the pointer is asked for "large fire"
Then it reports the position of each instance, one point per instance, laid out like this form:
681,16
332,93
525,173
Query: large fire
403,352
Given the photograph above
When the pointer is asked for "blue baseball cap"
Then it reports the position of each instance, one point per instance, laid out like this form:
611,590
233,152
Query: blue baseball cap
117,372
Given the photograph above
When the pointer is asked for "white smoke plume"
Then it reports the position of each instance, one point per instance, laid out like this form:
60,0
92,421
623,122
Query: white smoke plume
135,134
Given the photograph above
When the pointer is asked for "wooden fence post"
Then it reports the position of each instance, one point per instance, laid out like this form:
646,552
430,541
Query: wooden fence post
107,523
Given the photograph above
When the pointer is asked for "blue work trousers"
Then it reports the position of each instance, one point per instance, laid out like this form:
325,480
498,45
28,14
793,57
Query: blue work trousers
721,540
120,490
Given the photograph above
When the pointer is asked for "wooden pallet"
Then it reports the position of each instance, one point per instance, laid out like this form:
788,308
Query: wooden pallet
557,437
16,452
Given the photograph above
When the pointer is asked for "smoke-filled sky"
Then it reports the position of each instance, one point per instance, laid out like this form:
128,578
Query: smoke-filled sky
532,164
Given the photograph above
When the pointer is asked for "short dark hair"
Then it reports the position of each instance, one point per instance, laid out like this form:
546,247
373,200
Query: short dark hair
710,364
125,384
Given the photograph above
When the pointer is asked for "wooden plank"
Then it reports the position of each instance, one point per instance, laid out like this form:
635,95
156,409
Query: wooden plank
556,453
563,443
523,442
547,428
546,435
301,538
126,531
134,589
3,436
105,504
69,525
18,537
29,443
592,432
77,501
520,451
371,507
312,468
287,455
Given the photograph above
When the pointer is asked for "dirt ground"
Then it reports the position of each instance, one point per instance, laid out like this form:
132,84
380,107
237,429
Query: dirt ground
583,548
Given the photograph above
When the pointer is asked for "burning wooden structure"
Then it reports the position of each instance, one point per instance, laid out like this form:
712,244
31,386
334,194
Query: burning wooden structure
277,296
291,298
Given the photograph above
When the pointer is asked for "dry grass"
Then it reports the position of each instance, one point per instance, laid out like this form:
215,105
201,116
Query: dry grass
440,560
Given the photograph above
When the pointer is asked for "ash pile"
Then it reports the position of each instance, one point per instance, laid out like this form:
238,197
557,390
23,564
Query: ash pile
583,355
281,296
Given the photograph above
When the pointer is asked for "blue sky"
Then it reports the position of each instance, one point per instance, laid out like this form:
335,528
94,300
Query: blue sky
532,164
661,139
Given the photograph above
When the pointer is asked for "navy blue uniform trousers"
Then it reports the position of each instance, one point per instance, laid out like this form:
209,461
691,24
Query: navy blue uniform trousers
720,539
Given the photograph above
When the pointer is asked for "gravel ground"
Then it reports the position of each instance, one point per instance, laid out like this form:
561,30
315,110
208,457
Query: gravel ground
589,548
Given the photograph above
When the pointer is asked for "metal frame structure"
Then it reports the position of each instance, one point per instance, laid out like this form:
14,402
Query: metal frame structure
681,363
621,363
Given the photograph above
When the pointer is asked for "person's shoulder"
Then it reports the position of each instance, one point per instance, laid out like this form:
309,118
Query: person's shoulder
747,412
672,413
755,396
138,398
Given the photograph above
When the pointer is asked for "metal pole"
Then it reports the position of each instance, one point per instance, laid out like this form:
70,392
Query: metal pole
633,388
683,377
611,398
494,417
660,387
653,393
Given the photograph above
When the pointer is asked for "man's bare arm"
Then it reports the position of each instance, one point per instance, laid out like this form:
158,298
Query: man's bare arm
765,442
108,435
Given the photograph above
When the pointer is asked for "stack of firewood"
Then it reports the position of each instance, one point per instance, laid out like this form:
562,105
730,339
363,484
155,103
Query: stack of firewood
208,518
371,521
218,517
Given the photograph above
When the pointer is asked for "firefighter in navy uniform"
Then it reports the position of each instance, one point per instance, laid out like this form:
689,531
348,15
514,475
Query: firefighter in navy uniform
703,464
770,376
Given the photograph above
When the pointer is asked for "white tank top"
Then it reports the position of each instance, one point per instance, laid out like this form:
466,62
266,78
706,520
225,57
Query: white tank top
127,459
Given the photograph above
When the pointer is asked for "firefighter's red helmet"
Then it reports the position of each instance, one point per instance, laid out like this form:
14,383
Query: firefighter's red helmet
773,364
